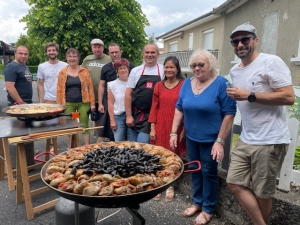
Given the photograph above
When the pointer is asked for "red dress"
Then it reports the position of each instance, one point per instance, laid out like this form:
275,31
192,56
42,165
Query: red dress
162,113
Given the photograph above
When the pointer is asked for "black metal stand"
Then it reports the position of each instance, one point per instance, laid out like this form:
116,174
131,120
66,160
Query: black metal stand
133,210
137,218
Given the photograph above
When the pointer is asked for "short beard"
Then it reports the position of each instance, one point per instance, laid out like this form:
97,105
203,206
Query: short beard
249,52
51,57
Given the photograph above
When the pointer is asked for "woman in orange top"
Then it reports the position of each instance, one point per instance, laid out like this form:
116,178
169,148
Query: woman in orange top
75,90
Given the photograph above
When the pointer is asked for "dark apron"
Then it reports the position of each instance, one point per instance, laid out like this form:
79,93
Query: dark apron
142,99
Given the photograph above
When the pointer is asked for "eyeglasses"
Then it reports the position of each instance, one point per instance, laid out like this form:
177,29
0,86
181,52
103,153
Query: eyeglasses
116,52
200,65
244,41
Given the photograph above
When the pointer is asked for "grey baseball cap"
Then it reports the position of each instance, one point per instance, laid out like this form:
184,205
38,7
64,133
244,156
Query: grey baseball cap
246,27
97,41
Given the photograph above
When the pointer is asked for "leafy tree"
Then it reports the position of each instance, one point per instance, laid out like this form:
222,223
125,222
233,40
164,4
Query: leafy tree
151,38
73,23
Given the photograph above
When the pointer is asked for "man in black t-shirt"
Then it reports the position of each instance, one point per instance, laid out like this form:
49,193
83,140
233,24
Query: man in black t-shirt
18,79
108,74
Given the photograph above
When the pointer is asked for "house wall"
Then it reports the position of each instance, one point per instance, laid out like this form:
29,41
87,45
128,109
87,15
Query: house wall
287,34
183,43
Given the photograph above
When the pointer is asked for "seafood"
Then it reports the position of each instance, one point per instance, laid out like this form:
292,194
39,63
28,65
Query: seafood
113,168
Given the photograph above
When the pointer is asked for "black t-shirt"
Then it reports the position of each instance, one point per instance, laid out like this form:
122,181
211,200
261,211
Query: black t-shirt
20,74
73,90
108,74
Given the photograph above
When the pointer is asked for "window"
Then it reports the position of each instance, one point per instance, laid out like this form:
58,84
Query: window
208,38
191,41
173,46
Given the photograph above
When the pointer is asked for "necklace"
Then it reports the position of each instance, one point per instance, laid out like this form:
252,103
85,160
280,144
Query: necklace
202,85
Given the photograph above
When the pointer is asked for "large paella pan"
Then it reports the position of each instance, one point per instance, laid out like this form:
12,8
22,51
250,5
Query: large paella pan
112,190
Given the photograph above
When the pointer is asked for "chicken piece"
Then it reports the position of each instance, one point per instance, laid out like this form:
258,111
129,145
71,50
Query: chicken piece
174,168
59,158
120,183
73,162
79,172
97,177
106,191
67,186
134,180
91,189
75,154
54,169
143,187
123,190
55,182
59,164
108,178
52,176
166,175
83,177
78,189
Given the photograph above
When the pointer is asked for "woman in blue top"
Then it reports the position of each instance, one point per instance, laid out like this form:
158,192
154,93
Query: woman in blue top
208,117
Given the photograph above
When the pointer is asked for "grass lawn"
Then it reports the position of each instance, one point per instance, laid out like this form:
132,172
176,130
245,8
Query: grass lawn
1,77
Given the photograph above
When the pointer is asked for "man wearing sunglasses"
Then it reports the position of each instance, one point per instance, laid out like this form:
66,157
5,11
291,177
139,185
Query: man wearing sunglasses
262,88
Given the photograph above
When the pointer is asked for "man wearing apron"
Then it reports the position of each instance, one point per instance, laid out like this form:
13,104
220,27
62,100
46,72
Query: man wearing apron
138,96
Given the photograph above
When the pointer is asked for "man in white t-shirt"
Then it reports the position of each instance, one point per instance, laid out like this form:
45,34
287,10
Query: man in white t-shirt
262,88
47,74
139,90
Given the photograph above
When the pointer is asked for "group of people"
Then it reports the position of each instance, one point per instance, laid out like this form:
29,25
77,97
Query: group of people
152,103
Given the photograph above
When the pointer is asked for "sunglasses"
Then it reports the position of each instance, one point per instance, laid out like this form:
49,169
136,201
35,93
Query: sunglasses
244,41
200,65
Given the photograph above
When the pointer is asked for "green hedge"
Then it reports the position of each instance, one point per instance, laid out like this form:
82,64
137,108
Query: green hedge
33,69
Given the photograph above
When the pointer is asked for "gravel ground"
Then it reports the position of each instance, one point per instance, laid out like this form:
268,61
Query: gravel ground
154,212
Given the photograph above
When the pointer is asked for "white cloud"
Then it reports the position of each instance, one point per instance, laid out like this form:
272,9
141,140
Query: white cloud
10,14
163,15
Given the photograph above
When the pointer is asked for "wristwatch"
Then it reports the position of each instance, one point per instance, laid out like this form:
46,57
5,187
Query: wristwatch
252,97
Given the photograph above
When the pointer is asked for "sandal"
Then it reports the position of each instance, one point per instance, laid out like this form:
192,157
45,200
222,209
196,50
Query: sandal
190,211
203,220
157,197
170,194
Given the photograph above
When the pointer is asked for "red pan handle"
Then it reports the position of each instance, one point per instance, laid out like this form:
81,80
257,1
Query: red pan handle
194,170
36,157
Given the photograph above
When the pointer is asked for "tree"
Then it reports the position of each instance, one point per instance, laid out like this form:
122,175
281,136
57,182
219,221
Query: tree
151,38
73,23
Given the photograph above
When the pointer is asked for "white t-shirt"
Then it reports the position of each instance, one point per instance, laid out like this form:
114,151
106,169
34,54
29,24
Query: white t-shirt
136,73
118,88
262,124
49,73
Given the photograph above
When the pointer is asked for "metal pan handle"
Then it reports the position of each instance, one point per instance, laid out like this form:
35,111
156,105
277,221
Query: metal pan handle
194,170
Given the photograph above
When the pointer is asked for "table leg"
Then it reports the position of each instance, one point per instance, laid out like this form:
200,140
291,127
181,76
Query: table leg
75,141
9,170
2,159
48,144
55,148
22,170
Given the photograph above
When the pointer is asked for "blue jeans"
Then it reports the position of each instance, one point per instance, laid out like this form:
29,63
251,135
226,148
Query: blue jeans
206,181
143,137
123,130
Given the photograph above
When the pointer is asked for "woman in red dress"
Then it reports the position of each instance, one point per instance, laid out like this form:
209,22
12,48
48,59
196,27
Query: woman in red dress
164,98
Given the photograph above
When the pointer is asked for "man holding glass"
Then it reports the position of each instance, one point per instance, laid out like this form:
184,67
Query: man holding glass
262,88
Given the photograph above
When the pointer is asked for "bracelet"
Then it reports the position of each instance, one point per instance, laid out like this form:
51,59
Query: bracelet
172,134
220,141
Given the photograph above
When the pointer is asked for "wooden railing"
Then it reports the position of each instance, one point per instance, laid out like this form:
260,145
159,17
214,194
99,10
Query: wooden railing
287,173
184,56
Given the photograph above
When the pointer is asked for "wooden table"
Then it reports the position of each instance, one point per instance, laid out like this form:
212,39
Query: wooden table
13,135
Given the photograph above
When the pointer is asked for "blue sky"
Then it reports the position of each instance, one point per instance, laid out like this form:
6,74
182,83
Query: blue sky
163,15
